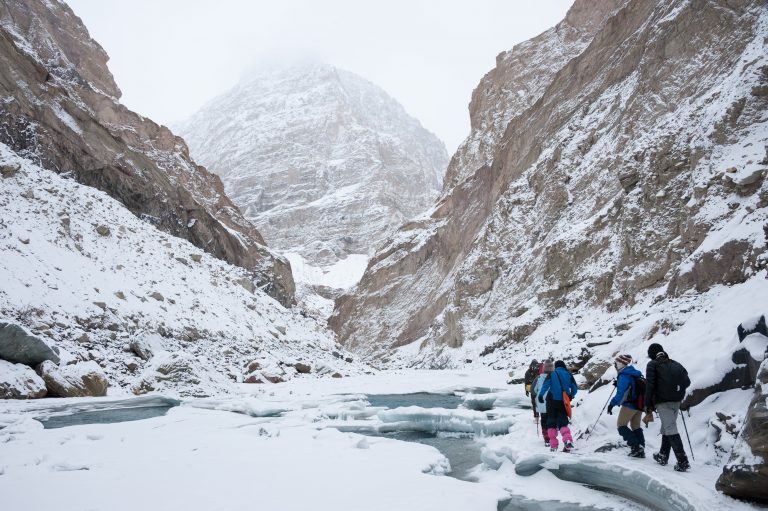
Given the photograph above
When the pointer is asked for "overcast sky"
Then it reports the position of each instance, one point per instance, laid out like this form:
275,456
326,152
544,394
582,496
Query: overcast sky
170,57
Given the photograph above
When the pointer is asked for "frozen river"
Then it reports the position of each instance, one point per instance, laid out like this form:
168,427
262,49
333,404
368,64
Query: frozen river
408,440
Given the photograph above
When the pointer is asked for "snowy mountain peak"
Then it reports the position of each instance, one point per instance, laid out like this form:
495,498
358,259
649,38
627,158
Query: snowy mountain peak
323,162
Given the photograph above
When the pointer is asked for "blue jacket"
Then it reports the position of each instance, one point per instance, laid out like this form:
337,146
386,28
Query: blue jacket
625,387
559,380
537,386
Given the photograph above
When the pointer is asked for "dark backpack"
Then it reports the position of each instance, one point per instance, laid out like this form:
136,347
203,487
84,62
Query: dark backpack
638,398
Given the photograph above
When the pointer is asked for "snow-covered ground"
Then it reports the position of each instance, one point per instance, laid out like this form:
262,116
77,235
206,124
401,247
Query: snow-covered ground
84,273
343,274
293,446
339,276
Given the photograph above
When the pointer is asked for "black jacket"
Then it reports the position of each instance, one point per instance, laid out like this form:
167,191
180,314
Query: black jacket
531,374
666,381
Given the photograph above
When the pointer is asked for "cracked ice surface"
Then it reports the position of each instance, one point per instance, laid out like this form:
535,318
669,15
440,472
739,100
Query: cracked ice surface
297,446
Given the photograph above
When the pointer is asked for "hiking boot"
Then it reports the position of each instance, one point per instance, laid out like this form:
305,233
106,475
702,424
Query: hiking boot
677,447
660,459
637,452
568,447
553,449
546,443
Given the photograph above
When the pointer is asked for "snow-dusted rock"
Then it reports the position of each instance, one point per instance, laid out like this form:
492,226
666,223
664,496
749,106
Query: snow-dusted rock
182,374
205,310
746,474
61,109
323,162
76,380
302,368
19,381
145,345
19,346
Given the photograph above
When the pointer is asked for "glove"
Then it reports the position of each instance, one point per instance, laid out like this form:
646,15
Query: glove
541,399
610,409
647,419
527,394
615,382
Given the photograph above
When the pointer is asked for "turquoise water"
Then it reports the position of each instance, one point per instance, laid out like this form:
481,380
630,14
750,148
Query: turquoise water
462,452
104,416
106,412
422,399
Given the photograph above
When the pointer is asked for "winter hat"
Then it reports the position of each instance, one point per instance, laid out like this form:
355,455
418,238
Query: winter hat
653,350
560,363
624,360
549,366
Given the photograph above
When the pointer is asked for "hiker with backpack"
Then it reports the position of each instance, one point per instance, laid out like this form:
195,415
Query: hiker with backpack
530,375
561,388
541,406
667,381
630,390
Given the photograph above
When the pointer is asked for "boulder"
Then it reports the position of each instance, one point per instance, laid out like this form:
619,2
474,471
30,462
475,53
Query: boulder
19,381
77,380
302,368
754,325
747,360
746,474
19,346
145,346
103,230
253,366
593,371
9,170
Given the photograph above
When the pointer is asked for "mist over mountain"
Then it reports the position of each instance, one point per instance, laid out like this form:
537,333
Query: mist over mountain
323,162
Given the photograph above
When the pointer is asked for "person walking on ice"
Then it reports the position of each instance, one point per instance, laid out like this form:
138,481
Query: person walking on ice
667,381
562,388
541,406
530,375
627,394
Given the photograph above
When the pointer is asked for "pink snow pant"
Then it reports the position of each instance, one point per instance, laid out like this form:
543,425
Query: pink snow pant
564,431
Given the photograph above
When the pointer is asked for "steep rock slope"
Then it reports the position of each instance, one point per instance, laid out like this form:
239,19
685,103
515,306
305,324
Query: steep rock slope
155,312
323,162
59,107
636,176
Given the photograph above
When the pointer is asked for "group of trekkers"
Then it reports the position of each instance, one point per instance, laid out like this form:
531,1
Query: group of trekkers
551,388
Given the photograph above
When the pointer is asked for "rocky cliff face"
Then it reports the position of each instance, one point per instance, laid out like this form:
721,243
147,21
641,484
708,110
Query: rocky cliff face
59,107
624,164
323,162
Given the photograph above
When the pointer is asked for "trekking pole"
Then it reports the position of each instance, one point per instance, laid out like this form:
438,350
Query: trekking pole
589,431
537,424
682,414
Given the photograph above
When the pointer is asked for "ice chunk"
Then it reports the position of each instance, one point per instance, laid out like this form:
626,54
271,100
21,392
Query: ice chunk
434,420
634,484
